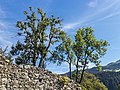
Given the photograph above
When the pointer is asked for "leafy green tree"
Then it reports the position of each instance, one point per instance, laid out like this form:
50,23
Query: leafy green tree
88,49
64,53
39,33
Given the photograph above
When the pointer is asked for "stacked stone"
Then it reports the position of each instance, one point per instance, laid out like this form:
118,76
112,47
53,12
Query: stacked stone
26,77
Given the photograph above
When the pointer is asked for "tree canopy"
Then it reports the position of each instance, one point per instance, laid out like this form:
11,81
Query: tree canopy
39,33
64,53
88,49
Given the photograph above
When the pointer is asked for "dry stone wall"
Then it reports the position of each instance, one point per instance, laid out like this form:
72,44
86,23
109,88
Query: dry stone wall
26,77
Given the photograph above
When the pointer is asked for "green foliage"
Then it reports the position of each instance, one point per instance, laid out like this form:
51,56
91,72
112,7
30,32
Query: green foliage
88,49
64,53
90,82
64,80
39,33
110,79
99,68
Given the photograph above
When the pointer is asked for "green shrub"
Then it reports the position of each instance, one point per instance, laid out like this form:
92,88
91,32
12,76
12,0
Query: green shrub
90,82
64,80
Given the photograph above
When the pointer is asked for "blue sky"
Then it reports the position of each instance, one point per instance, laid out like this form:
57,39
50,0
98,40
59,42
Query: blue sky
102,15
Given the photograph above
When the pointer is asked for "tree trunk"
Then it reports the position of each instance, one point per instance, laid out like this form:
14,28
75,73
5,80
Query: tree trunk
34,58
70,70
40,63
82,72
46,50
77,72
43,64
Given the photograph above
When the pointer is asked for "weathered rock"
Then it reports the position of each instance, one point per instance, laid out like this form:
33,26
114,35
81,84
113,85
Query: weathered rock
26,77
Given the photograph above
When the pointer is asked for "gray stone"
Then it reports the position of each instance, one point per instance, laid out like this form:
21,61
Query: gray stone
27,77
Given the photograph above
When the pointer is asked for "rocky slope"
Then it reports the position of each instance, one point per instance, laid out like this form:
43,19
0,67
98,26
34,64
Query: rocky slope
26,77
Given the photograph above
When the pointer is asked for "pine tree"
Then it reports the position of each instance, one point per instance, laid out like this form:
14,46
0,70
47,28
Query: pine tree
64,53
39,33
88,49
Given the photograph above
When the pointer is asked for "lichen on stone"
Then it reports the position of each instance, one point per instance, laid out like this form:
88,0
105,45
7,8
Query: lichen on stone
64,80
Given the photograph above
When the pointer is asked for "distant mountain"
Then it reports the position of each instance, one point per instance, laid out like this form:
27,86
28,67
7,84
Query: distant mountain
109,79
114,67
110,74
